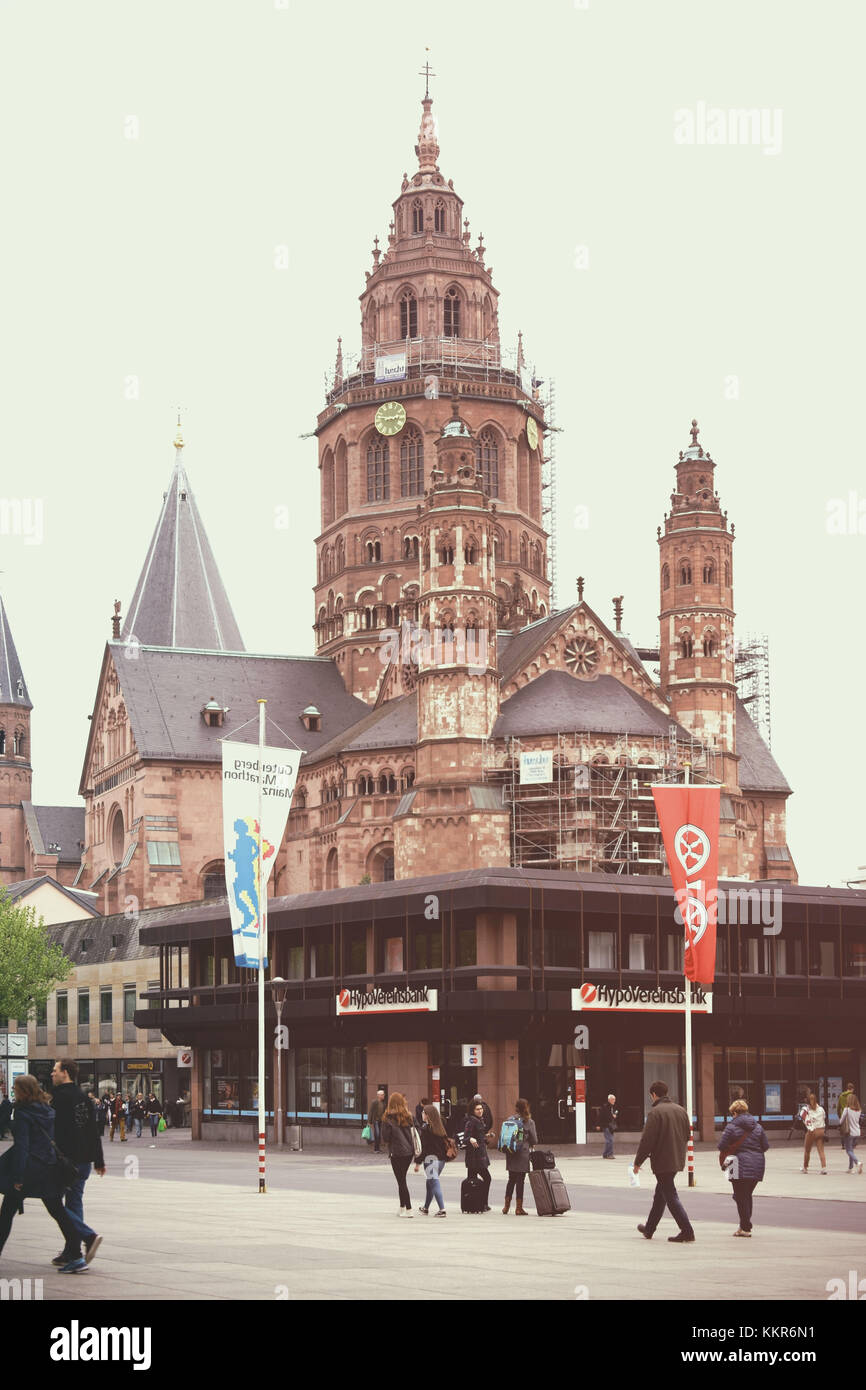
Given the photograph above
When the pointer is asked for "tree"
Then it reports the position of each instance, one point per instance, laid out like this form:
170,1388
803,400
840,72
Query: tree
31,965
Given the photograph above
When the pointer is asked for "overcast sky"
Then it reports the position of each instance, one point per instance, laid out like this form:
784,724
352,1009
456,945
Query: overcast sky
158,155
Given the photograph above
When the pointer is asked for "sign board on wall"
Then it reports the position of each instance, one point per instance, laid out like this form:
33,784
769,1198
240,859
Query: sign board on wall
636,999
471,1054
391,368
184,1057
401,999
536,768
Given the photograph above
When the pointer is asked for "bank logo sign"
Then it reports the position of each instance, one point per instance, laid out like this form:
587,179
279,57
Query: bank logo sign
401,999
636,999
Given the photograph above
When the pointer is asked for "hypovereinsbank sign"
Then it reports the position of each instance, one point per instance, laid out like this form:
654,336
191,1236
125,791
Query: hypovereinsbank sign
399,999
637,999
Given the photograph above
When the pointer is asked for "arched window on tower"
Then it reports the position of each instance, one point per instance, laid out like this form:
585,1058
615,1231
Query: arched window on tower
709,572
408,315
439,217
417,217
2,743
332,871
18,743
709,644
411,464
446,555
470,552
451,324
487,462
666,576
378,470
685,572
727,575
373,552
524,552
686,646
410,547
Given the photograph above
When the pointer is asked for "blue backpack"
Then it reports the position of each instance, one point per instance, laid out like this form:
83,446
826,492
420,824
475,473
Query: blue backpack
511,1134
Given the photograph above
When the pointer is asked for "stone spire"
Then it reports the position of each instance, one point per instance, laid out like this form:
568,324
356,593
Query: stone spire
427,148
13,690
179,600
338,366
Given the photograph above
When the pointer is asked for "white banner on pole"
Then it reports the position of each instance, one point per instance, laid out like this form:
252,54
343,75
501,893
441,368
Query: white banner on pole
242,770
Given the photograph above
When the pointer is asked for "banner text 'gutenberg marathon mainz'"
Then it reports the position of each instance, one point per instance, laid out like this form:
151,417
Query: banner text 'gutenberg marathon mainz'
243,763
689,821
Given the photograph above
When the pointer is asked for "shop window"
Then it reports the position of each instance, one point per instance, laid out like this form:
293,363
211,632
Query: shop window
354,950
855,958
560,946
466,946
426,948
225,1084
600,950
312,1083
641,951
392,954
823,958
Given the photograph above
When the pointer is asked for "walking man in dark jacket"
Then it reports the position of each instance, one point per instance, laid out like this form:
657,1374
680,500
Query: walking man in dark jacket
664,1142
76,1136
607,1124
374,1119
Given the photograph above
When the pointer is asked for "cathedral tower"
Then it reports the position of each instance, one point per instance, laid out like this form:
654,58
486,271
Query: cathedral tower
429,329
697,610
453,658
16,771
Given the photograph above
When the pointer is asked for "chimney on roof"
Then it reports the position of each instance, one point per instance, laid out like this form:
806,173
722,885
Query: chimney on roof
115,621
617,612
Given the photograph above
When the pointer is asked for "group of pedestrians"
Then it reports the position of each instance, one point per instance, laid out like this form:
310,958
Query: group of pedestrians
118,1113
55,1144
814,1120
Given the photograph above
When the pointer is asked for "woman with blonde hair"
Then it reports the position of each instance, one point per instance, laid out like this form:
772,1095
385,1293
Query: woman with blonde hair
813,1117
30,1168
741,1154
849,1128
404,1145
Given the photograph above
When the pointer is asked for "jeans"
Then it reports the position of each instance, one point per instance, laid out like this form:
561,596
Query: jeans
608,1143
432,1168
516,1182
848,1146
742,1189
53,1205
74,1203
138,1126
666,1196
154,1125
400,1167
377,1136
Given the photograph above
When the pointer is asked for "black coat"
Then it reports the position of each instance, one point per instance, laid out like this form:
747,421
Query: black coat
31,1160
399,1139
607,1116
749,1154
665,1137
476,1129
75,1132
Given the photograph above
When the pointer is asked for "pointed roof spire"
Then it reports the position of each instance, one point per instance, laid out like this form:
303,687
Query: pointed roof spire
178,439
521,361
13,690
427,148
338,365
179,600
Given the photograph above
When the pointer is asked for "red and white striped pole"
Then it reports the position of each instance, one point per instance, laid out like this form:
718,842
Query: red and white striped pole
263,947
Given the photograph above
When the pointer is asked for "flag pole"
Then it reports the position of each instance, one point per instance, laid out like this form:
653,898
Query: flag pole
263,946
688,1044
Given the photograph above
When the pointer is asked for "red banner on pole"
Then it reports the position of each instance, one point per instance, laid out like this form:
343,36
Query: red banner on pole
689,820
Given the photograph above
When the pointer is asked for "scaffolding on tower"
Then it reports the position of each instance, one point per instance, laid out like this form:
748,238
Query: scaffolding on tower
596,814
548,485
752,674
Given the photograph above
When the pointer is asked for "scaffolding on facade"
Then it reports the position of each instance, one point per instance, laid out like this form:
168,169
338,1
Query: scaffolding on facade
548,485
752,674
596,814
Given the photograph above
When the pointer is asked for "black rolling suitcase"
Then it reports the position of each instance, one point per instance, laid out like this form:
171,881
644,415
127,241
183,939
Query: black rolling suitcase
549,1192
473,1194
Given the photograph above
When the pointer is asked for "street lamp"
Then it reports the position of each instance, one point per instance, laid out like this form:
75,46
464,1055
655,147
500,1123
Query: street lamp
280,996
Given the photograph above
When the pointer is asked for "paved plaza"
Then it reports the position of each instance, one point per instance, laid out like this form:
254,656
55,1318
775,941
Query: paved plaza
184,1221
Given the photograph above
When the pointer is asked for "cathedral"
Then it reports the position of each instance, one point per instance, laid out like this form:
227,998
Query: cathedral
440,672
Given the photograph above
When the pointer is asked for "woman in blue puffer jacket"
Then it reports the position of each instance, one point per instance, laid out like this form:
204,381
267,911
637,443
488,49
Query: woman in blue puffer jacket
741,1152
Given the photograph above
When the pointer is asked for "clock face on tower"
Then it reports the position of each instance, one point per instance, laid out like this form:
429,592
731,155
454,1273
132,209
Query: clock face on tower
581,656
390,418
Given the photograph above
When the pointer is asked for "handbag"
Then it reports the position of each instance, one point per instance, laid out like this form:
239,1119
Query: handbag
450,1149
844,1125
367,1133
541,1158
416,1142
67,1169
725,1154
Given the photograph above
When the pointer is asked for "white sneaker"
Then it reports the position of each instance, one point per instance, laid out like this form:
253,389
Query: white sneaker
824,1170
804,1170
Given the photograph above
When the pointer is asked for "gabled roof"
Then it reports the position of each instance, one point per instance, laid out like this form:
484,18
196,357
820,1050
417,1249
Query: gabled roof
519,646
179,600
758,770
165,689
56,825
557,702
25,887
393,725
13,688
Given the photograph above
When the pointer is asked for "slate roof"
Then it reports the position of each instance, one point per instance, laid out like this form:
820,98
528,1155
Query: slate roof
392,725
758,771
557,701
179,600
56,825
520,645
10,669
165,690
26,885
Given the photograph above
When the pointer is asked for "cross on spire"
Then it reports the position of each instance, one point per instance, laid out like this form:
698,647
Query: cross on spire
426,72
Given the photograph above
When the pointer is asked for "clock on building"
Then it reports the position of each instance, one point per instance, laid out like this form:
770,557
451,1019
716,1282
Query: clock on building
16,1045
532,433
581,656
390,418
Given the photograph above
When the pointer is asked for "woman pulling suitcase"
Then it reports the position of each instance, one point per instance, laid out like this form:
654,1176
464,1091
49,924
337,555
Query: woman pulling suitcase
475,1191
